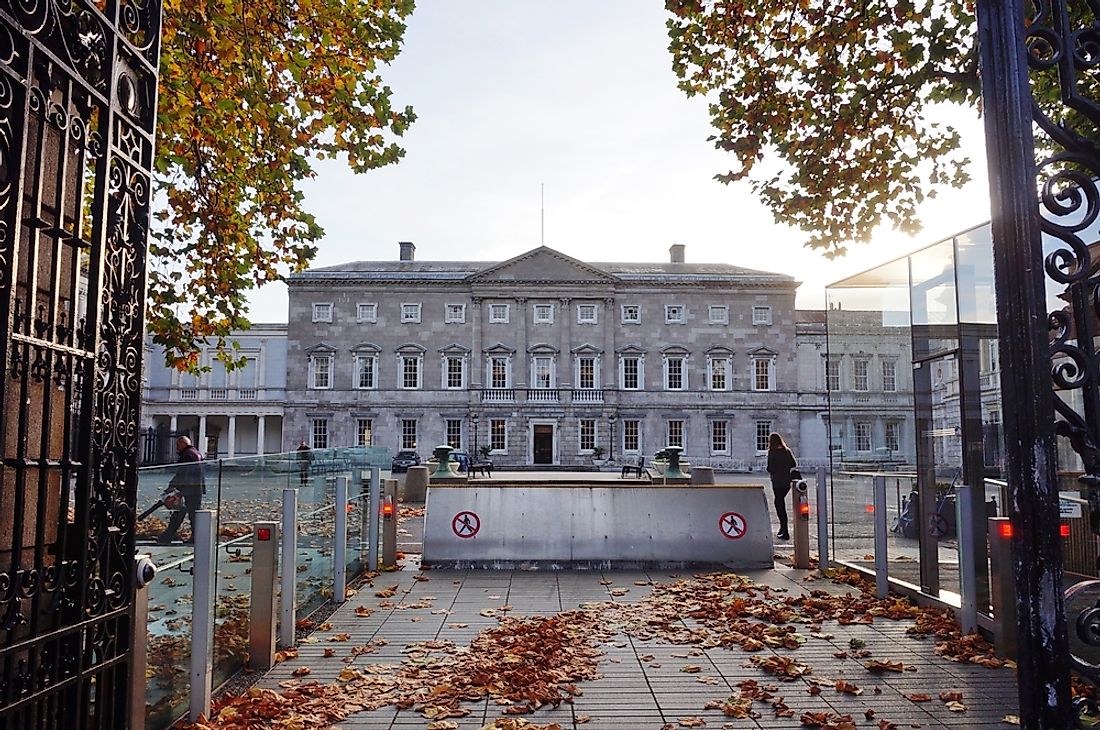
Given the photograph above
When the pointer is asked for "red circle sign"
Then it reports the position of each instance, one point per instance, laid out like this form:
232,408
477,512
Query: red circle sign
466,524
733,525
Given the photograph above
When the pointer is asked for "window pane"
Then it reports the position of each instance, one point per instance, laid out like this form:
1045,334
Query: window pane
497,434
763,431
454,432
630,435
320,433
365,435
832,374
718,441
675,379
454,372
676,433
411,372
718,369
630,373
499,377
408,433
588,434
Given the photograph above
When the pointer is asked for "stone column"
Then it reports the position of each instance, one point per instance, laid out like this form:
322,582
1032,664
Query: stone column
201,445
523,372
260,426
232,449
173,423
607,361
477,357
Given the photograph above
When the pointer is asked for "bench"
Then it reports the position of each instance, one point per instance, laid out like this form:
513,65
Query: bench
485,468
635,469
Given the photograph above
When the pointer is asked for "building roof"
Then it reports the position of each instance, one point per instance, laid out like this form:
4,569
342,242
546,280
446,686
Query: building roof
461,270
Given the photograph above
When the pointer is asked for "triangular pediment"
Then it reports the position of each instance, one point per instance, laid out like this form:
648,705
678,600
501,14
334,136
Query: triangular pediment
542,265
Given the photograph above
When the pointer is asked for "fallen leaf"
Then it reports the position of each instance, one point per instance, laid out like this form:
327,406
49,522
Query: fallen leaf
918,697
692,721
301,671
330,652
951,696
691,669
956,706
1011,719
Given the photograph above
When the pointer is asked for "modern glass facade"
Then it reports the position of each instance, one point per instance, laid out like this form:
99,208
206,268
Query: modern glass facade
912,353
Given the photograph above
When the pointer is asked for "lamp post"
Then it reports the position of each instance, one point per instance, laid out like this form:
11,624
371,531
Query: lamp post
475,419
610,436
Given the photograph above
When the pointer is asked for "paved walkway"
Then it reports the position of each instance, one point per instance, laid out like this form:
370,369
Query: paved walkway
647,682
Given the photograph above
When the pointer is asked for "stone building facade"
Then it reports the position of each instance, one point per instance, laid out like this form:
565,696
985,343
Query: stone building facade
226,414
546,359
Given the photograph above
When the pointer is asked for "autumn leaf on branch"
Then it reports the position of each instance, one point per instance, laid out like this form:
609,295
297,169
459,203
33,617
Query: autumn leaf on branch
251,94
828,106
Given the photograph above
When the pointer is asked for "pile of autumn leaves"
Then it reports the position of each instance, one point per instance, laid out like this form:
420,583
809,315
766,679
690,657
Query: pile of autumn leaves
525,663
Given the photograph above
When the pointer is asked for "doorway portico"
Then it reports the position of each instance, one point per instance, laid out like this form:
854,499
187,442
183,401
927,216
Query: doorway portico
542,442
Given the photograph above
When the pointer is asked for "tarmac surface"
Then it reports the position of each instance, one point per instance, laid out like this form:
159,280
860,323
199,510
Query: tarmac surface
647,682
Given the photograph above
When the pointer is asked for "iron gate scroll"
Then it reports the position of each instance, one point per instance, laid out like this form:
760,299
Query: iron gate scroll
78,85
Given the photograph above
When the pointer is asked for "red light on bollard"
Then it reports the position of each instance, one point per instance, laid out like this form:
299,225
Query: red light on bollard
263,534
387,509
350,508
1063,530
1006,529
804,508
869,509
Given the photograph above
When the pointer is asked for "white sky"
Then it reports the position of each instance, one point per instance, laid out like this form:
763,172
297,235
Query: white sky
578,95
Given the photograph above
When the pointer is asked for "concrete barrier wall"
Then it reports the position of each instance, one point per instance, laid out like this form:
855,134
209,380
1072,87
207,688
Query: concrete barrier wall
503,524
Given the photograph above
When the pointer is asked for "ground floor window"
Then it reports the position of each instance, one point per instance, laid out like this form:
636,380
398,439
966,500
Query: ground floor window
893,436
588,434
719,437
454,432
498,434
408,433
863,436
675,434
631,432
320,433
763,432
365,432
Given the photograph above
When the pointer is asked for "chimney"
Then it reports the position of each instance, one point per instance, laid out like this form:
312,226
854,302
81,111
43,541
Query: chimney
407,250
676,253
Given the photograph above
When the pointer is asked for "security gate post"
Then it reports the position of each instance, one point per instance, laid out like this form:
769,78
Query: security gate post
389,524
800,513
373,510
340,543
882,558
144,571
289,566
968,545
822,519
1003,588
202,614
262,604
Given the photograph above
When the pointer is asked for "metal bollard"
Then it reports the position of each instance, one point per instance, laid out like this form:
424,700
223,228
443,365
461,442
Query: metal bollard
1003,585
373,510
145,571
287,599
967,545
340,543
261,608
389,524
822,519
202,615
800,508
882,558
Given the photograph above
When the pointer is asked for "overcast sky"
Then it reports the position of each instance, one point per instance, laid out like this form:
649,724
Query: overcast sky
579,96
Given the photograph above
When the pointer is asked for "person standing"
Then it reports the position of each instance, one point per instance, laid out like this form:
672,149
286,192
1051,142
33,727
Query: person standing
780,463
305,460
190,481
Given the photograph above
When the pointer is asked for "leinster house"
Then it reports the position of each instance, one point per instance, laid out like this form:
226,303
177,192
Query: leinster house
547,360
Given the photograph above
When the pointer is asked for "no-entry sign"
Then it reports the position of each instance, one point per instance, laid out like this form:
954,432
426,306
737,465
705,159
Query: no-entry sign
733,525
466,524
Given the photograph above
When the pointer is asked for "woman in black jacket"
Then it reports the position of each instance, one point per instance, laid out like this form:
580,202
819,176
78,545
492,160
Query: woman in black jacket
780,463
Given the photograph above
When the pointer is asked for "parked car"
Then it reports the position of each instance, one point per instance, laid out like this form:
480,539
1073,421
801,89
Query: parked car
462,456
403,460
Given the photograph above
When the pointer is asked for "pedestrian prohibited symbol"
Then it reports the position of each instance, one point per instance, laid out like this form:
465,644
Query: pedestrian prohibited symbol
732,525
466,524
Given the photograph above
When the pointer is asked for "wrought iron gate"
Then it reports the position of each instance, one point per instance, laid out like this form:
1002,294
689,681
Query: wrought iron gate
78,84
1046,144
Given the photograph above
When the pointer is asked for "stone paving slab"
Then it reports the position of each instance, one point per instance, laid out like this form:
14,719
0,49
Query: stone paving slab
635,693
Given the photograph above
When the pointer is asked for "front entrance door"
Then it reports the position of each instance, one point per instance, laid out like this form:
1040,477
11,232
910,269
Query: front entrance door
544,444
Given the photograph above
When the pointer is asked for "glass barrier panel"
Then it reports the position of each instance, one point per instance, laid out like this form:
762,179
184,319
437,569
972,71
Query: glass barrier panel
315,557
357,505
168,661
232,591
